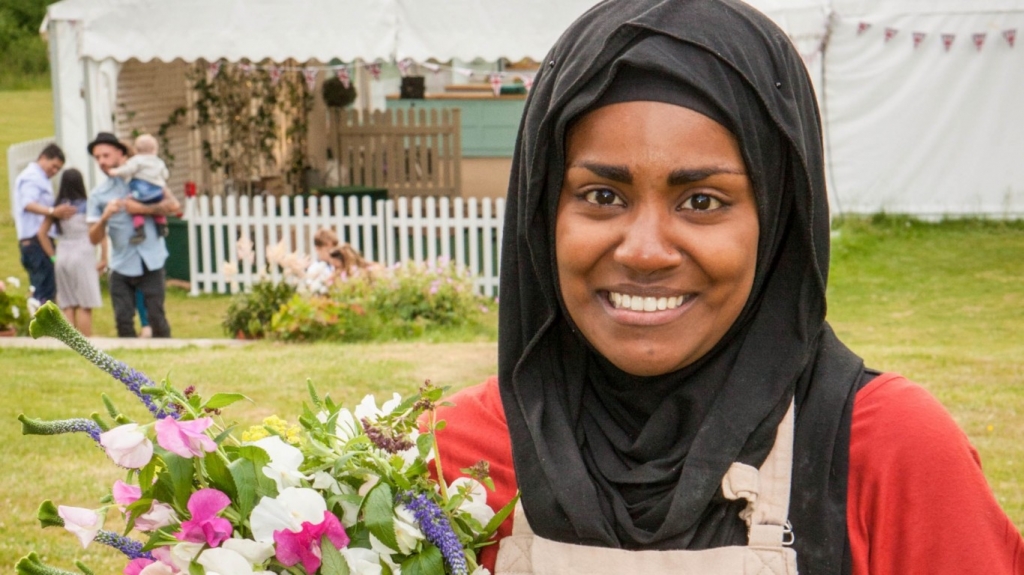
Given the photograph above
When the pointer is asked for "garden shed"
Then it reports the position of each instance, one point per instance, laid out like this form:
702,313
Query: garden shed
919,97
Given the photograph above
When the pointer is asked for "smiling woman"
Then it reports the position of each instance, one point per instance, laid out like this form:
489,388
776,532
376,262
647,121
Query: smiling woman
670,398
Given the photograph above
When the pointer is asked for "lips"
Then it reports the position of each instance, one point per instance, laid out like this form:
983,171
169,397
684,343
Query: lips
644,303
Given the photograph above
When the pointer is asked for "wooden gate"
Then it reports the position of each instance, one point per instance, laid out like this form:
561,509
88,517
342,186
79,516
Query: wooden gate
409,152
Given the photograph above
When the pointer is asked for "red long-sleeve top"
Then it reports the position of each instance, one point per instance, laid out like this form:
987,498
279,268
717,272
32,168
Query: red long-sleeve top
917,501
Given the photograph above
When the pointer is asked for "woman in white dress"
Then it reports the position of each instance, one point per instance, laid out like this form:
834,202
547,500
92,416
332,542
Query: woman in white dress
75,265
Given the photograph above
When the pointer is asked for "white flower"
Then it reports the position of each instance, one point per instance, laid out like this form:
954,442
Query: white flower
33,305
183,553
15,311
254,551
227,270
284,462
346,427
276,253
367,408
406,531
127,446
159,515
243,247
475,502
83,523
480,571
362,561
293,507
14,281
226,562
323,481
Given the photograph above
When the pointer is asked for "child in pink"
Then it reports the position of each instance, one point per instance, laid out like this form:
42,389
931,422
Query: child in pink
147,177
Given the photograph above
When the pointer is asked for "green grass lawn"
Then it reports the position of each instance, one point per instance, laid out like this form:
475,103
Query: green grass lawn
941,303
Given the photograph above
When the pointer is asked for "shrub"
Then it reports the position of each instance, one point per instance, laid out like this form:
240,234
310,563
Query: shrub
397,303
14,307
250,313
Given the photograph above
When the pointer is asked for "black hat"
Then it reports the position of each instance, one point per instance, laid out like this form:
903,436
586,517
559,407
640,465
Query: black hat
110,139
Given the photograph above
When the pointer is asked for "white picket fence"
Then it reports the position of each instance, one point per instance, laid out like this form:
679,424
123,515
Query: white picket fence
467,231
19,155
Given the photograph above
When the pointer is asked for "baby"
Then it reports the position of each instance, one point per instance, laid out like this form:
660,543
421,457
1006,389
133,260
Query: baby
147,177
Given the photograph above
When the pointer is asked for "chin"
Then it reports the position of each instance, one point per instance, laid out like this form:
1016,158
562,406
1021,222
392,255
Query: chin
646,362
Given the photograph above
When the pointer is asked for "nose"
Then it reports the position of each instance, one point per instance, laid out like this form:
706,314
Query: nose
647,244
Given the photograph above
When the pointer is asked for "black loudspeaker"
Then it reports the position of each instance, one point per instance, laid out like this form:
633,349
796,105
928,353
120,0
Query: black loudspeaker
412,88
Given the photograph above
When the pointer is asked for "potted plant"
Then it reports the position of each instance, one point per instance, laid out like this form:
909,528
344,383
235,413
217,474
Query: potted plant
15,312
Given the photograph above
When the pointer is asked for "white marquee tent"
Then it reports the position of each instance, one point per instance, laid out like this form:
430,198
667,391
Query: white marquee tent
920,98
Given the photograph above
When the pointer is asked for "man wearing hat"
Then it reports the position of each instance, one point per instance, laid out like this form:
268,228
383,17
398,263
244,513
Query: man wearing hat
133,267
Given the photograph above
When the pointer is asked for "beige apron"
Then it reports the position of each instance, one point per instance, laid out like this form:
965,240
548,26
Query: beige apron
768,533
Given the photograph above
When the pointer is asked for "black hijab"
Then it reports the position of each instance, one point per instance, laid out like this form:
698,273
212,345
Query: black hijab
608,459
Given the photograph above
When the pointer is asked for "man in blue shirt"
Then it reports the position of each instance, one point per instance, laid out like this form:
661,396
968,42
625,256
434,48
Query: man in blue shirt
133,267
32,202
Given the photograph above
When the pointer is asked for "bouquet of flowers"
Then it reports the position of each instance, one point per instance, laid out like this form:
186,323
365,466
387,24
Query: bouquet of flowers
339,492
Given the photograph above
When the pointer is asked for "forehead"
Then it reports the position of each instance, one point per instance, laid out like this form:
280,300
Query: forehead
652,134
103,149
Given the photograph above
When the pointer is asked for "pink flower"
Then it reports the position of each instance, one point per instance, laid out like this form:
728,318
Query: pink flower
125,494
159,515
185,438
135,566
83,523
127,446
205,526
304,546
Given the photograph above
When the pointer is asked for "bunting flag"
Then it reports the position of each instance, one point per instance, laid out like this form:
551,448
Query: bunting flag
275,75
528,82
464,71
310,75
979,40
947,40
214,69
435,68
404,66
374,70
341,72
890,33
863,27
496,83
245,67
1010,36
918,38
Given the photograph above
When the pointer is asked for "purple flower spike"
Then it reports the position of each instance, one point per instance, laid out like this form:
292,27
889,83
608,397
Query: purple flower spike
436,528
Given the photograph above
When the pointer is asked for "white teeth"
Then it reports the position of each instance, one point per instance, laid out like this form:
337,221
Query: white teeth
638,303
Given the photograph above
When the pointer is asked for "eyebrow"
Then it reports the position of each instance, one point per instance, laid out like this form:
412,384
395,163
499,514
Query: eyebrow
677,177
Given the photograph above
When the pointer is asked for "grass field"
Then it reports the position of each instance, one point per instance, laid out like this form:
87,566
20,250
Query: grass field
941,303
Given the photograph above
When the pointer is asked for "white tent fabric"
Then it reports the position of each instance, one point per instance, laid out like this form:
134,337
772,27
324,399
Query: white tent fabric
928,131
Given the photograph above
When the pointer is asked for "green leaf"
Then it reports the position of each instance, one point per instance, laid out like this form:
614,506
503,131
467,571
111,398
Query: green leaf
48,515
312,394
83,568
220,400
111,409
180,475
428,562
379,511
424,443
332,562
500,516
219,474
196,569
31,564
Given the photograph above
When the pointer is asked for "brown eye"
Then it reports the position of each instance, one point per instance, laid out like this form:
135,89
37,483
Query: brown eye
701,202
603,197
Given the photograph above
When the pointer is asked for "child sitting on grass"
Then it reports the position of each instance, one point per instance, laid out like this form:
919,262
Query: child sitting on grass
147,177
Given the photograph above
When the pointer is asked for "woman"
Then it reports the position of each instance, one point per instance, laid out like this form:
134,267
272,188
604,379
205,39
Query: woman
77,271
662,320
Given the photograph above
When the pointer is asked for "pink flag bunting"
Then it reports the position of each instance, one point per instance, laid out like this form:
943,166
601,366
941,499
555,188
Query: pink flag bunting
528,82
404,66
374,70
918,38
863,27
464,71
341,72
890,33
275,75
496,83
245,67
1010,36
947,40
310,75
435,68
214,69
979,40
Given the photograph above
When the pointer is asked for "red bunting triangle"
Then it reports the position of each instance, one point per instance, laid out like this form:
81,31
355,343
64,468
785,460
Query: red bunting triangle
310,75
890,33
342,74
275,75
1010,36
947,40
979,40
496,83
862,27
374,70
918,38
